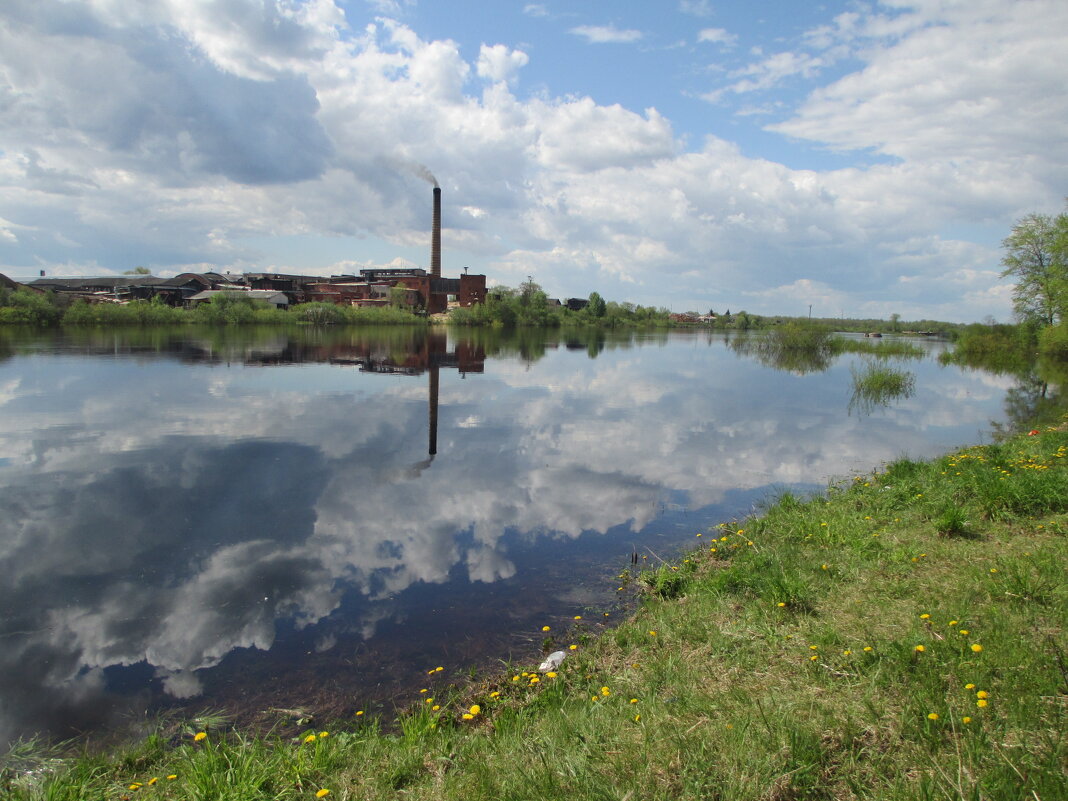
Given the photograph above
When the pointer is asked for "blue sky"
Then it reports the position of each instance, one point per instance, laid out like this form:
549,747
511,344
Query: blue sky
865,158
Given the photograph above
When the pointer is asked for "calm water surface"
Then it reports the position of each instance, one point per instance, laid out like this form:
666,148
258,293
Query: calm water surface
249,520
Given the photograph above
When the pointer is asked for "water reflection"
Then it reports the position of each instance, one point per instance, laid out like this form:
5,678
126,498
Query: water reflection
277,519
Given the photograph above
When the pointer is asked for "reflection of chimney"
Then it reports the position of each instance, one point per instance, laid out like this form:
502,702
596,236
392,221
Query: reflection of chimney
433,409
435,236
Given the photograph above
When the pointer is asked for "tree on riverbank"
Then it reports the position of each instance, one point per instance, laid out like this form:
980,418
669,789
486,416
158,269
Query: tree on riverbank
1036,256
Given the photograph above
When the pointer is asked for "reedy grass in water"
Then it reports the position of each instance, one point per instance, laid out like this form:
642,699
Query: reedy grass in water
878,385
835,647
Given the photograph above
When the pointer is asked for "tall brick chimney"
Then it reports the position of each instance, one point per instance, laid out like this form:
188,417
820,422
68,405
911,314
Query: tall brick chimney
435,236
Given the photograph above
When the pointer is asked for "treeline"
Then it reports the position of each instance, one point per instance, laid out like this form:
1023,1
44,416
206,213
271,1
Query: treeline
1036,258
528,306
25,306
744,321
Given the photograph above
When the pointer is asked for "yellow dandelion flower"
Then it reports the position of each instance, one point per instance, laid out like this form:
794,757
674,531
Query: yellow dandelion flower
468,716
813,648
428,701
846,653
494,694
993,570
135,786
322,793
637,718
919,648
953,622
310,738
969,686
435,708
594,697
981,702
324,734
551,674
962,631
153,780
172,776
966,719
932,716
360,712
780,604
823,567
515,678
545,628
572,647
534,679
475,709
925,616
634,700
982,694
813,658
578,617
423,690
652,633
867,648
605,691
976,647
438,669
200,735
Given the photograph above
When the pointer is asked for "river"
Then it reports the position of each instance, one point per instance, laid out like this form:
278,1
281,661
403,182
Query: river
251,520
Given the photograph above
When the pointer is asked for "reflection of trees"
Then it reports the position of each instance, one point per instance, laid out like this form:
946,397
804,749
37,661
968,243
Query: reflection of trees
1038,398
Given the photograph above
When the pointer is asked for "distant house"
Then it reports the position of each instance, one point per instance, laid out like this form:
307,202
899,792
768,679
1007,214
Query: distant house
276,299
576,304
7,283
107,287
178,290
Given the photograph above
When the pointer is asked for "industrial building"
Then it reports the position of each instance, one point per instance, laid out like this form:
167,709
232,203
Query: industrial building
422,290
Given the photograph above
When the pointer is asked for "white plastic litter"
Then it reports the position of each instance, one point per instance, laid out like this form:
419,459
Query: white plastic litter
552,661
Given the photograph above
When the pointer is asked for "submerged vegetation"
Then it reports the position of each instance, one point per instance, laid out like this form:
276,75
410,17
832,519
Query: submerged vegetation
900,636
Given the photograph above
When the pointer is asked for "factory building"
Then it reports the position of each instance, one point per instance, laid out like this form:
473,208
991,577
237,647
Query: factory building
424,290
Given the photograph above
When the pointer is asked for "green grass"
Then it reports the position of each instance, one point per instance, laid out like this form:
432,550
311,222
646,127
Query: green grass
833,647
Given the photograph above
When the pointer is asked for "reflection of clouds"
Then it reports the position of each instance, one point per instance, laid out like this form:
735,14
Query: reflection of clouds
149,525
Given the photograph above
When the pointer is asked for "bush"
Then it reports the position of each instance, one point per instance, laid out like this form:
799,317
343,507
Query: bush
1053,342
137,312
24,306
228,308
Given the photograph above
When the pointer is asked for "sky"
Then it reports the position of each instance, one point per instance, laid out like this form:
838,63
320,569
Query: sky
855,159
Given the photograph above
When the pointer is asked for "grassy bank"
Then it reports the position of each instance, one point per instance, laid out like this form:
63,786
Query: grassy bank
902,636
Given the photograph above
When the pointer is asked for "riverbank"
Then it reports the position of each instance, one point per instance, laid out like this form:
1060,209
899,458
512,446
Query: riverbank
902,636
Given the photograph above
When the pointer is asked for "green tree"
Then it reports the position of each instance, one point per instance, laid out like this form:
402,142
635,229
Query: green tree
398,296
1036,257
596,306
